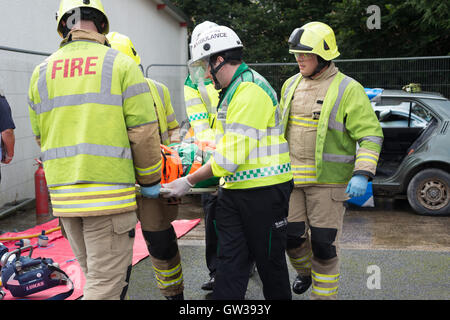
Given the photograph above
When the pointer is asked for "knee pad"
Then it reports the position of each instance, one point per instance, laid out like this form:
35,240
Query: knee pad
162,245
322,242
295,231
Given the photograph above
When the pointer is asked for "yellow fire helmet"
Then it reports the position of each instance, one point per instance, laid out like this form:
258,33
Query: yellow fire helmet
123,44
314,37
96,13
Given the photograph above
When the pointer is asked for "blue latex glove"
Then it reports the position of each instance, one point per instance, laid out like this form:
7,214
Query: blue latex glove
357,186
151,192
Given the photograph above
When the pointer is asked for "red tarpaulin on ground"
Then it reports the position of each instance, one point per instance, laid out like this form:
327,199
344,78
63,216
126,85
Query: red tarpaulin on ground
59,251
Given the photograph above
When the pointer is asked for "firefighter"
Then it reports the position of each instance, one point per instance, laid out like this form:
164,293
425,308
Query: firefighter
98,134
201,99
252,157
156,215
326,114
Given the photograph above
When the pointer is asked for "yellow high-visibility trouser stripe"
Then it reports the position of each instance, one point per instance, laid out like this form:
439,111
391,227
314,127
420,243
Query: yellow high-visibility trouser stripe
302,262
160,275
324,291
165,284
168,273
327,278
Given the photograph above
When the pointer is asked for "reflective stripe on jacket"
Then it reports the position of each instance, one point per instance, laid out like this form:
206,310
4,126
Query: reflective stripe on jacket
164,109
347,118
93,111
201,103
251,150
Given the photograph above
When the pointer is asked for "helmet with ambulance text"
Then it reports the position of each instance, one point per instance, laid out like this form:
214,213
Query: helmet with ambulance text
199,29
123,44
214,40
314,37
72,10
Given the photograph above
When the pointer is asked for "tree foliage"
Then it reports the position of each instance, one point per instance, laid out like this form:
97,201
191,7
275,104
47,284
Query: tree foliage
408,28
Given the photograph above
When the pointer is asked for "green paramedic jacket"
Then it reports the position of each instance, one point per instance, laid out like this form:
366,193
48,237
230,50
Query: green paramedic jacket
347,118
92,110
251,150
201,103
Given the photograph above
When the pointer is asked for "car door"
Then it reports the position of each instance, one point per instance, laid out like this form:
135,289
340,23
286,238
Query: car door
402,122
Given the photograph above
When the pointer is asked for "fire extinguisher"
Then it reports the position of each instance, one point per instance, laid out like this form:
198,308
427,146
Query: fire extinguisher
41,191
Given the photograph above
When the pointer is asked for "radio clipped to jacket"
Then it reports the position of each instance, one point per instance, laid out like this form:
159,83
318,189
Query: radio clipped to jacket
24,275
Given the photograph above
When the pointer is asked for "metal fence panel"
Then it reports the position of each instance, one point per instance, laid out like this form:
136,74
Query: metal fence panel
433,73
173,76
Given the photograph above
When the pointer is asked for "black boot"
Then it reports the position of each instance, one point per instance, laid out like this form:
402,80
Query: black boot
209,285
176,297
301,284
252,269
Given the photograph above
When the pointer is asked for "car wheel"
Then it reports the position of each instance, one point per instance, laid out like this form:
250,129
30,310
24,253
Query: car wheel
429,192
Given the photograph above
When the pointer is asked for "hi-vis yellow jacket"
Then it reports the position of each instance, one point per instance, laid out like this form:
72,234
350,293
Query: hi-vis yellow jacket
251,150
346,118
201,103
92,110
164,111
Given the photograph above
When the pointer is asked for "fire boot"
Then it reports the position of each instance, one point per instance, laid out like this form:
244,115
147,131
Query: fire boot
176,297
301,284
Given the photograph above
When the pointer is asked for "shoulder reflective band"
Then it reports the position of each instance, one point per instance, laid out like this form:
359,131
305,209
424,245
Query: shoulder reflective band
160,92
286,94
205,97
332,123
104,97
135,90
87,149
289,87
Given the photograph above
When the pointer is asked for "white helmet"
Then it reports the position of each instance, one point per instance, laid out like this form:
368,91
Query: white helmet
199,29
214,40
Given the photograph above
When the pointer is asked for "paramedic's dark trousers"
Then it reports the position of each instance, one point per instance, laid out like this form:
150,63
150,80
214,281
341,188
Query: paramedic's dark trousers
251,225
209,203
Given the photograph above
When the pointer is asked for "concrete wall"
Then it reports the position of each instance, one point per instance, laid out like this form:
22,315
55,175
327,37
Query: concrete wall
31,24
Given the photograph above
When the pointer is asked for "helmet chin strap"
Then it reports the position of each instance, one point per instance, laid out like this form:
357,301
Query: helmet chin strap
214,71
322,64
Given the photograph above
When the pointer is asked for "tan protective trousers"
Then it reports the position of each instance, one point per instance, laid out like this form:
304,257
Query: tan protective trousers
322,211
103,246
156,216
